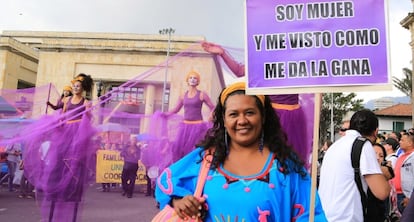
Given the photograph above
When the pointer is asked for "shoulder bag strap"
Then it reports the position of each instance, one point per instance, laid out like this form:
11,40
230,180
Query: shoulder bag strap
202,176
355,158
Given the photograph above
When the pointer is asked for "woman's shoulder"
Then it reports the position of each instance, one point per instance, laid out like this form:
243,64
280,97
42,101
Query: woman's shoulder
66,99
203,95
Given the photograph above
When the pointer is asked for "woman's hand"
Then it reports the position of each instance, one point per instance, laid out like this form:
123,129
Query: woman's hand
387,171
212,48
188,207
405,201
166,114
87,104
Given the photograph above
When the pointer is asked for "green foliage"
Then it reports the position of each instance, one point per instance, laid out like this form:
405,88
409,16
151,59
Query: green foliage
342,104
405,84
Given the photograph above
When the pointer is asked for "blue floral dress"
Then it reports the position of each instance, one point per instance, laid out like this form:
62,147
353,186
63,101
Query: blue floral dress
267,196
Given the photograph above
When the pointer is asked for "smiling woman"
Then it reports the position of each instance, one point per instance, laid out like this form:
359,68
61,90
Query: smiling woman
251,161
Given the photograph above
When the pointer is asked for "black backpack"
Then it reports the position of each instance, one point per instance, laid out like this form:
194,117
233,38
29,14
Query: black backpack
373,208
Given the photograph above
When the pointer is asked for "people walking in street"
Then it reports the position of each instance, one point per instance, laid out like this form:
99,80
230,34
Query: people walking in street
131,155
13,152
26,188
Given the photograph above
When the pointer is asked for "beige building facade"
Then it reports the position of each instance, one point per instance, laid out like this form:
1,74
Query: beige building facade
18,64
32,58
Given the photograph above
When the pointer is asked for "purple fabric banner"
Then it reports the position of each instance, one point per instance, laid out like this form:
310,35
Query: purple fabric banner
309,43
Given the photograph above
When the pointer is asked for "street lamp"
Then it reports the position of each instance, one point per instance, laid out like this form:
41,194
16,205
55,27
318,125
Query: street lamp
169,32
100,87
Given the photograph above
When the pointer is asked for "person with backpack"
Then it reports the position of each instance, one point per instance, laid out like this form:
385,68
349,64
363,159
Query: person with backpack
339,193
391,145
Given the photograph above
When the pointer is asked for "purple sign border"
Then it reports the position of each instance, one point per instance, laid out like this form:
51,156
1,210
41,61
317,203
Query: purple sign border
307,43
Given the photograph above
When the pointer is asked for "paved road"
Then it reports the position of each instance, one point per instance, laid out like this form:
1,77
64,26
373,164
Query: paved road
98,207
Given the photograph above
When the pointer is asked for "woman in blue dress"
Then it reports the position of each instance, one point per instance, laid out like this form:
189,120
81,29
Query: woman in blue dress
254,176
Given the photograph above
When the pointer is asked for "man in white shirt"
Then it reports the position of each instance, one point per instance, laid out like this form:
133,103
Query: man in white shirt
338,191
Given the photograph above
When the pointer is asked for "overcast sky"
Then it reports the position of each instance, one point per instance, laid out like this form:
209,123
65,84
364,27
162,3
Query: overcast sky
220,21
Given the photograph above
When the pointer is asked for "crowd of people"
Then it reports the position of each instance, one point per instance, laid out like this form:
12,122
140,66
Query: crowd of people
388,148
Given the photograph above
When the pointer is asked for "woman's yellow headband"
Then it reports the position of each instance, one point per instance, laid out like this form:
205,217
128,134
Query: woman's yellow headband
79,78
235,87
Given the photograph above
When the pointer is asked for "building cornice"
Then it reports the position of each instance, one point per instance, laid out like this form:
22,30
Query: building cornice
408,20
14,46
111,42
99,35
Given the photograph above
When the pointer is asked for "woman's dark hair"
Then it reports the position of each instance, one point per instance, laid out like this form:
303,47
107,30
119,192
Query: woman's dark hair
63,95
382,149
87,82
274,137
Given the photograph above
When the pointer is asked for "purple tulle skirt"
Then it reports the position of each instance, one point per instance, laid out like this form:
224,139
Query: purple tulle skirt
59,164
295,125
169,139
189,134
156,154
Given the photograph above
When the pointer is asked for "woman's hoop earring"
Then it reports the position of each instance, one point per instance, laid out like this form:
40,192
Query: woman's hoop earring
226,142
261,143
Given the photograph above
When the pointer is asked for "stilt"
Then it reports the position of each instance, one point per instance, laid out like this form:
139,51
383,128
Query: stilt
75,211
52,209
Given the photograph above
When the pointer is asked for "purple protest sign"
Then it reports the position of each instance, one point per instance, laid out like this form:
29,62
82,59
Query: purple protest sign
309,43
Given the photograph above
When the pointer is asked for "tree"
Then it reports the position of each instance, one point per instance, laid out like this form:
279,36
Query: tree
342,104
405,84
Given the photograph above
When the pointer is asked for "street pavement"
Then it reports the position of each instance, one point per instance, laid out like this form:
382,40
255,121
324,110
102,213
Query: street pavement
98,206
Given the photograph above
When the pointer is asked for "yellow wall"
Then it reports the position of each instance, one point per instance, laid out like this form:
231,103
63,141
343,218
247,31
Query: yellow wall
13,68
17,62
2,68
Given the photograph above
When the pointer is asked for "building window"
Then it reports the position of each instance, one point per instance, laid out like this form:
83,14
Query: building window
167,96
397,126
127,100
24,85
166,99
128,95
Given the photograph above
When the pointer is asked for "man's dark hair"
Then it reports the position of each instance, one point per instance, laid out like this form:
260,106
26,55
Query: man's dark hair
364,121
398,134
